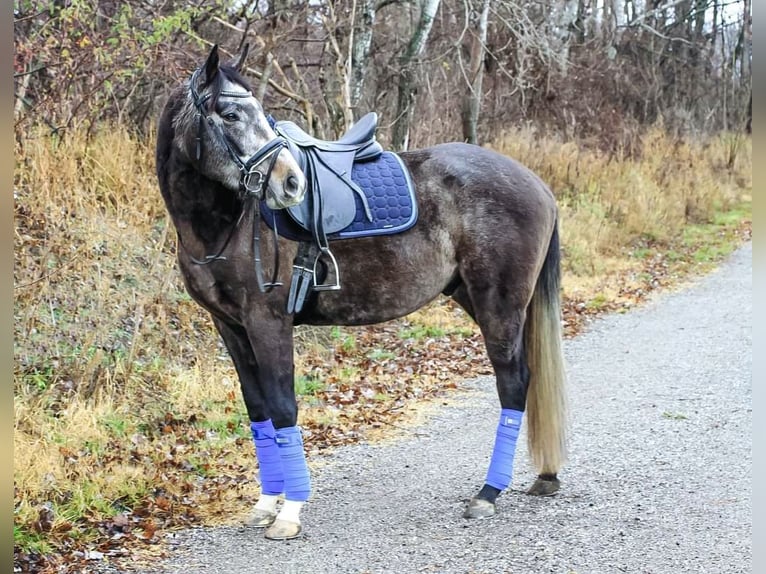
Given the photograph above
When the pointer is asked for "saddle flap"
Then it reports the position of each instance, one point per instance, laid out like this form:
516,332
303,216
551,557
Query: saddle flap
338,211
330,205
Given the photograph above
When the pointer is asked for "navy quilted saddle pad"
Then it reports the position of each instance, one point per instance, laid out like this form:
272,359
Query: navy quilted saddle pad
390,197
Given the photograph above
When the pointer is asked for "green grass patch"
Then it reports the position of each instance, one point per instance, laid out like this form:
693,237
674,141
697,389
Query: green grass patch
733,216
233,425
380,355
710,242
86,499
641,253
116,425
348,344
349,373
599,301
306,385
712,253
30,541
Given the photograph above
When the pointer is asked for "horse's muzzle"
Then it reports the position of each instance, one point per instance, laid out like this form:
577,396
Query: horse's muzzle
292,192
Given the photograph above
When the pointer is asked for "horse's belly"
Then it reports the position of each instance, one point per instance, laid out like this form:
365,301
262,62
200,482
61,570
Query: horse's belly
382,280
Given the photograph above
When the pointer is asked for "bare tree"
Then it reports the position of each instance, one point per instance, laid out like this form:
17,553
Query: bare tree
475,75
746,62
407,63
361,43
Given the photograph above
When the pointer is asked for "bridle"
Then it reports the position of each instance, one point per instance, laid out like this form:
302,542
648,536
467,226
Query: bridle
252,183
246,168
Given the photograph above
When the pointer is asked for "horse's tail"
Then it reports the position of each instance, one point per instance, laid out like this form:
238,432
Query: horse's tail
546,398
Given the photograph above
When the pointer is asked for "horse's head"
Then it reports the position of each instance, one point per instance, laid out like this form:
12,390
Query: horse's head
223,128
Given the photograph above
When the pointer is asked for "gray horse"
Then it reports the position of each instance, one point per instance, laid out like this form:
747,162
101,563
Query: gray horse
486,235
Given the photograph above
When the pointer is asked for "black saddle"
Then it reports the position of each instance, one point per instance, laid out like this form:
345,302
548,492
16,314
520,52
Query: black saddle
330,204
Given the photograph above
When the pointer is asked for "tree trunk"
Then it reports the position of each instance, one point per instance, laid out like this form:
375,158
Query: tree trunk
746,64
406,93
473,95
360,53
578,25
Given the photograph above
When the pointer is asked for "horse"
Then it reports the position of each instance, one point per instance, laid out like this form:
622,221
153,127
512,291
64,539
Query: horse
486,235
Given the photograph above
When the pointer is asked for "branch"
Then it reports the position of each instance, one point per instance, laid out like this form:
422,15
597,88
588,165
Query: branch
279,89
20,74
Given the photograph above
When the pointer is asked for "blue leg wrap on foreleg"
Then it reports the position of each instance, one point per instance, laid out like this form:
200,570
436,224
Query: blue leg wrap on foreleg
501,466
269,460
297,479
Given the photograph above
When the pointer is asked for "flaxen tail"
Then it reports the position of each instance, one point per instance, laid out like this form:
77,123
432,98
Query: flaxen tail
546,398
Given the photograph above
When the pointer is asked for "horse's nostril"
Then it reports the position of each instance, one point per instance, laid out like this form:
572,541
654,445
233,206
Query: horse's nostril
292,185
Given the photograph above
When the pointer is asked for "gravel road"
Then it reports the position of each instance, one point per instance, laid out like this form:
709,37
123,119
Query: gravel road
659,477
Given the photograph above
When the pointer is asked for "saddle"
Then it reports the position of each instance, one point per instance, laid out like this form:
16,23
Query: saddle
330,203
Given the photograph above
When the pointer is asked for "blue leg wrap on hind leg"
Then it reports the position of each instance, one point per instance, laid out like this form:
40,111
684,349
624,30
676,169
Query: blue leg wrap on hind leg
267,453
297,479
501,466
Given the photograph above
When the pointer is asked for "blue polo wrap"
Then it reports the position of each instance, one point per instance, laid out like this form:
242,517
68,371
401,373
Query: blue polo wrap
501,466
296,471
269,459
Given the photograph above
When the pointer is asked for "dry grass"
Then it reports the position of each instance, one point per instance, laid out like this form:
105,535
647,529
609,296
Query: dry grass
609,202
109,348
99,318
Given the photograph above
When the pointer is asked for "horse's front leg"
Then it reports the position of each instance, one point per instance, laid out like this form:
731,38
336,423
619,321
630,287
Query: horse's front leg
265,369
271,339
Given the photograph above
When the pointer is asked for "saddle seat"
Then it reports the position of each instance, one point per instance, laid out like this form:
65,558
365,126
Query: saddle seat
362,132
329,205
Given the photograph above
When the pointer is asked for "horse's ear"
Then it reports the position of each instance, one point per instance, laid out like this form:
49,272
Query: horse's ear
239,63
211,65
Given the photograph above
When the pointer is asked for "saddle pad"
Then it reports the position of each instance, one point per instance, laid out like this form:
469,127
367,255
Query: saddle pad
390,196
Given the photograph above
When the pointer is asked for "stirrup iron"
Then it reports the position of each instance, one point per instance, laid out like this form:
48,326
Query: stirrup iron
333,267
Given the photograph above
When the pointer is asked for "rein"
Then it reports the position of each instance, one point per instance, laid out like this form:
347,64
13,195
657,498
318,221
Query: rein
252,184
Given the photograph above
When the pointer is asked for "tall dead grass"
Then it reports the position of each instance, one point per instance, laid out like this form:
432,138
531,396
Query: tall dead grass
608,201
107,340
103,327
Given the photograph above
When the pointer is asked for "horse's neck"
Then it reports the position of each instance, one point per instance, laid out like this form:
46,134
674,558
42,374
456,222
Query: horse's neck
204,210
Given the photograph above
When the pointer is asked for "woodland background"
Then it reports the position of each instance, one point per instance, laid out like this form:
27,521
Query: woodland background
128,419
434,70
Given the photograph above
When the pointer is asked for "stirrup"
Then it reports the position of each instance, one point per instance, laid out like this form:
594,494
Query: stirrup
302,278
300,283
334,267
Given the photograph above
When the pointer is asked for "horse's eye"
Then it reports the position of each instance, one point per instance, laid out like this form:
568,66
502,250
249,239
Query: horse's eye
230,117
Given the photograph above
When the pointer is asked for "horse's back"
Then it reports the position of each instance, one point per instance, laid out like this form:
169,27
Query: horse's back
479,212
489,190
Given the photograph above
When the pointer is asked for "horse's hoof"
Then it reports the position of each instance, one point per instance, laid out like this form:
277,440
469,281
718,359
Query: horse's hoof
260,518
479,508
544,487
283,530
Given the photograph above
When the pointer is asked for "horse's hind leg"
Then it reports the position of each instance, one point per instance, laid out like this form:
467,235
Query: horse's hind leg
501,317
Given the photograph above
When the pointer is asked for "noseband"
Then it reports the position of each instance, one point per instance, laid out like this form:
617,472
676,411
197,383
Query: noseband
252,183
